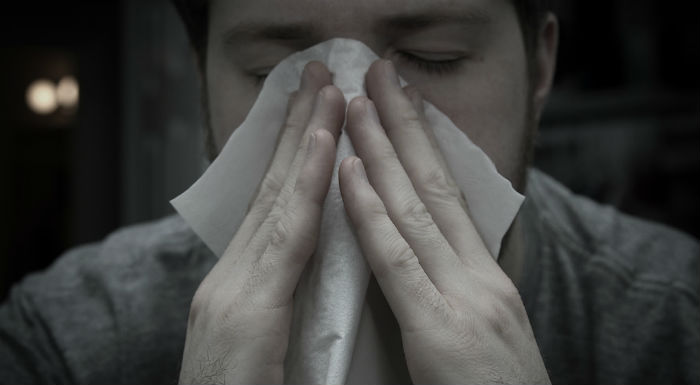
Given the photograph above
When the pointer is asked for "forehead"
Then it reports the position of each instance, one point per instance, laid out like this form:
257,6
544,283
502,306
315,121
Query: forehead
336,16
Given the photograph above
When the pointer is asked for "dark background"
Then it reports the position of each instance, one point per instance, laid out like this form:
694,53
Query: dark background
623,124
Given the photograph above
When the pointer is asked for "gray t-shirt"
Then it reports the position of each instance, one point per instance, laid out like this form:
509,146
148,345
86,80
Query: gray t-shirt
612,299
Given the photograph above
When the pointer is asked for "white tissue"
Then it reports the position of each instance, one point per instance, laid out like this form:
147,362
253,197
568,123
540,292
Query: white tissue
331,293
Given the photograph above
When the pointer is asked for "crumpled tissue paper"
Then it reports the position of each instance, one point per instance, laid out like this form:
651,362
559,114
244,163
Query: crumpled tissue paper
330,296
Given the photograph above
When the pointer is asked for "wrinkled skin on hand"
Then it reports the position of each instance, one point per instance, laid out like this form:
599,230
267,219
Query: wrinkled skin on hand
461,317
239,321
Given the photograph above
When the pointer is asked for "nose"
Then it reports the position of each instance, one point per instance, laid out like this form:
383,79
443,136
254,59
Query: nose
377,43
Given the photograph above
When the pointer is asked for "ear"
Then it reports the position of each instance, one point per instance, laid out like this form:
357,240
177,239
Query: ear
545,62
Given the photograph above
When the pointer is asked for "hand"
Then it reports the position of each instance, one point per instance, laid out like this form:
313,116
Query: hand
240,316
461,318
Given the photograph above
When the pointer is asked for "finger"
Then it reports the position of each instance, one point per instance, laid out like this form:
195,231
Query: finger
406,128
294,237
417,100
403,204
328,115
314,77
413,298
457,228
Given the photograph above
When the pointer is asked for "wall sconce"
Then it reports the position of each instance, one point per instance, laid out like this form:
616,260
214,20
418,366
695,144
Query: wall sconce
41,97
44,96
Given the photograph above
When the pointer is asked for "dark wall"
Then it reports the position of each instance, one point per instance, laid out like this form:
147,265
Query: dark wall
623,123
60,171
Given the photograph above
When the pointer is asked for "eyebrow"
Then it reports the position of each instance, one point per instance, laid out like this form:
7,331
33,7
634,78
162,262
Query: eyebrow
428,19
258,30
396,24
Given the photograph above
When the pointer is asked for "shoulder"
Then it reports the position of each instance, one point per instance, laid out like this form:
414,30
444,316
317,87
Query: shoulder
635,248
131,254
114,307
167,235
616,293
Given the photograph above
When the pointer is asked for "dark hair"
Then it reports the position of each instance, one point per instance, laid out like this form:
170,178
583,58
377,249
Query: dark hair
195,15
531,14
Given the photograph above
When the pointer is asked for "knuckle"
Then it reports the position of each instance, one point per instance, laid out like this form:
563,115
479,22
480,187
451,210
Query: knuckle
410,117
213,306
281,202
438,186
414,212
374,210
509,294
504,311
433,303
468,331
296,120
200,304
270,187
230,321
281,232
494,315
502,290
384,157
287,235
259,208
399,255
254,280
371,212
510,297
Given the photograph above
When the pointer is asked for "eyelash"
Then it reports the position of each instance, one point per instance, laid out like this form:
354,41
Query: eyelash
260,79
433,67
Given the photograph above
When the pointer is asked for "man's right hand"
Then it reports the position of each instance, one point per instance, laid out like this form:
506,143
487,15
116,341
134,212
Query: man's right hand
239,320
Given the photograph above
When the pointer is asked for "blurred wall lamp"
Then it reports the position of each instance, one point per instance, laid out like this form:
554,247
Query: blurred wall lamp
44,96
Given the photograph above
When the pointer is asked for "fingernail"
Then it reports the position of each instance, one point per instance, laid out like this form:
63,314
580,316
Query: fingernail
305,77
320,96
312,143
359,169
391,72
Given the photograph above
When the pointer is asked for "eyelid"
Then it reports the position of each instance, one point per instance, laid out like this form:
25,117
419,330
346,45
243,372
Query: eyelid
261,71
436,56
430,67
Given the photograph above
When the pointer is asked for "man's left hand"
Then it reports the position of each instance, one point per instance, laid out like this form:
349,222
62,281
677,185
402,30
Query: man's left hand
461,317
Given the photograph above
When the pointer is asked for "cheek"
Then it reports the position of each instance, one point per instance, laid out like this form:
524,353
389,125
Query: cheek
489,104
230,99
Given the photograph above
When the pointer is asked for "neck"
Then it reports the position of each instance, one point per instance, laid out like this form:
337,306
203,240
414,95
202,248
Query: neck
512,255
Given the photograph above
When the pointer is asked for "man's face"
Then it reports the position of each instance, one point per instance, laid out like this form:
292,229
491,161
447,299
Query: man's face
467,57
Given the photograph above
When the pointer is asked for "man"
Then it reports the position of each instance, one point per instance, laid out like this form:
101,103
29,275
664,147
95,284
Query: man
580,293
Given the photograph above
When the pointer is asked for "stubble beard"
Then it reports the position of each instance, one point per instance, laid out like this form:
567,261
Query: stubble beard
526,150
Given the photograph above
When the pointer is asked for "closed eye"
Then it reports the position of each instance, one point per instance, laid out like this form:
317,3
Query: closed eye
260,75
260,78
431,65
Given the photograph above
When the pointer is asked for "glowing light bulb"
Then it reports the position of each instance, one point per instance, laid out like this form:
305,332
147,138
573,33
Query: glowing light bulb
41,96
67,92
